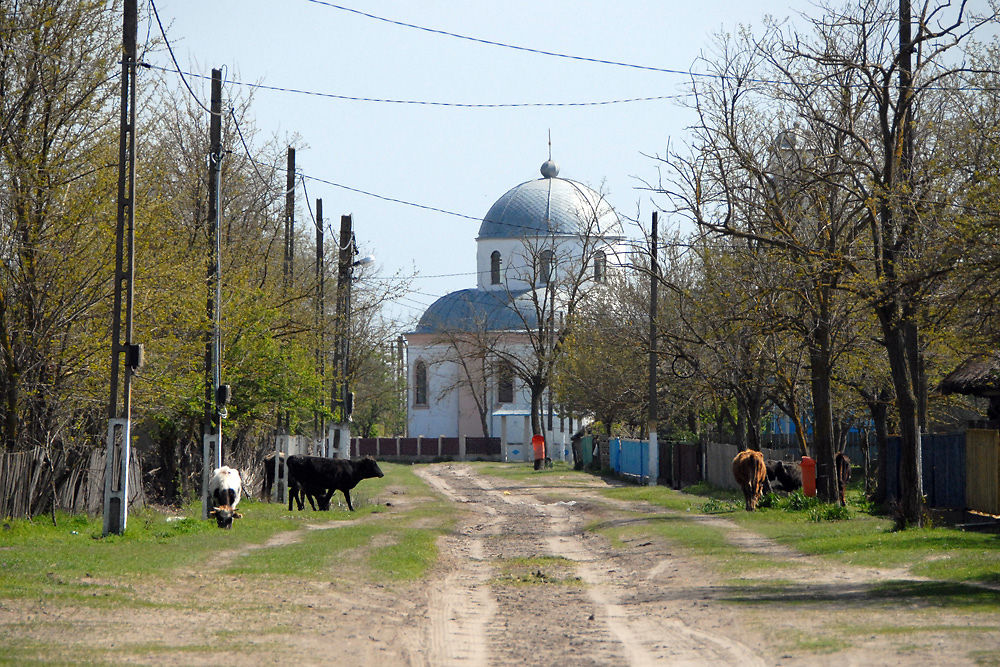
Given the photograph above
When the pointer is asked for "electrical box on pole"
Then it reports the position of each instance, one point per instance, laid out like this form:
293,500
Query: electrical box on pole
119,415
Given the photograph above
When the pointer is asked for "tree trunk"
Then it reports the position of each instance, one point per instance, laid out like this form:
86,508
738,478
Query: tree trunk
911,503
819,376
537,391
878,410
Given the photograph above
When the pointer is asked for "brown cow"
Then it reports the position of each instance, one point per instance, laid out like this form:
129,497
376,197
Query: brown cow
843,465
750,474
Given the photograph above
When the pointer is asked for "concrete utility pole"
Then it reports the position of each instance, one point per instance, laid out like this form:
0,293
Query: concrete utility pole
341,434
119,417
319,423
289,218
654,279
214,398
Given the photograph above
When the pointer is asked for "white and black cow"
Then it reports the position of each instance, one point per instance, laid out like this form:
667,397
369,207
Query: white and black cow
224,492
322,476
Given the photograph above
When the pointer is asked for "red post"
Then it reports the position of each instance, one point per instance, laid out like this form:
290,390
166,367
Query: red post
808,476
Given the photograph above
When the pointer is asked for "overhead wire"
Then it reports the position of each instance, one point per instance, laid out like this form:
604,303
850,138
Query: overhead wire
489,42
174,58
462,105
600,61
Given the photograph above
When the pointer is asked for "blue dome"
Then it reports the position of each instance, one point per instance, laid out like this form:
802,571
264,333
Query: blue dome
547,206
477,310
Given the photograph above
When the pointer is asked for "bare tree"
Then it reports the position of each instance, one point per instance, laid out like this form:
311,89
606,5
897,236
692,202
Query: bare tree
863,202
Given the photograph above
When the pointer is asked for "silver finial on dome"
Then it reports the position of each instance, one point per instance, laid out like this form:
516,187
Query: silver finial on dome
549,168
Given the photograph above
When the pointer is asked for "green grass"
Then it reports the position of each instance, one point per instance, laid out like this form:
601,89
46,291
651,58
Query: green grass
854,535
537,570
408,559
520,471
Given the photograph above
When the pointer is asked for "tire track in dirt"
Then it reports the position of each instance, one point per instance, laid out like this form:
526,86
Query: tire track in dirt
620,631
460,607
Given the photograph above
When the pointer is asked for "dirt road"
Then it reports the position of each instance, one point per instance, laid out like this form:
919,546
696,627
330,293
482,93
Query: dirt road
611,614
547,571
584,601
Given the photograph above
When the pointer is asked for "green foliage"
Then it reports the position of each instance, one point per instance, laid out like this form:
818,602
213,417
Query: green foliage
716,506
829,513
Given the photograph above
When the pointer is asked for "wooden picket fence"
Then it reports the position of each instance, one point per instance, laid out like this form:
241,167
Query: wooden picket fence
31,481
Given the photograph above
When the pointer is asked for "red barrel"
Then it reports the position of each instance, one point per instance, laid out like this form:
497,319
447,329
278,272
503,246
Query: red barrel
808,476
538,444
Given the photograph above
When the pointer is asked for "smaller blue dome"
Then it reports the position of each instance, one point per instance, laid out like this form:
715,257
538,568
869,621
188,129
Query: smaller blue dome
477,310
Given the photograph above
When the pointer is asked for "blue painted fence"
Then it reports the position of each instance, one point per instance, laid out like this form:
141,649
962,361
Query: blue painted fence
943,469
629,457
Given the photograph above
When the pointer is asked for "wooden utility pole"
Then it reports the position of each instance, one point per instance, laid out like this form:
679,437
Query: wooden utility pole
654,279
212,437
119,416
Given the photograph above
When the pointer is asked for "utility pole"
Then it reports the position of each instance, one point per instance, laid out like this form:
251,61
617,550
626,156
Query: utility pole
214,398
339,395
289,218
654,279
119,417
319,423
401,381
289,257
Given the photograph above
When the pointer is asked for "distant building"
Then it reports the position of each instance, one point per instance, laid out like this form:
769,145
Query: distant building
536,234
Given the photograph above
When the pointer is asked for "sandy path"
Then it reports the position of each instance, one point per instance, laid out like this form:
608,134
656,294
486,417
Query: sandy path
603,616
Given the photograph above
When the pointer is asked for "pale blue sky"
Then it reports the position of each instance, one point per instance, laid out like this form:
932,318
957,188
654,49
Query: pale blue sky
453,158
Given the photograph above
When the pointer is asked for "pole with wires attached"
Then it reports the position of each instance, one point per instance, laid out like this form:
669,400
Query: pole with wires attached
119,416
216,394
654,279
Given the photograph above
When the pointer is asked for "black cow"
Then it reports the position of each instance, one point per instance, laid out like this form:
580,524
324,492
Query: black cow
268,485
323,476
784,476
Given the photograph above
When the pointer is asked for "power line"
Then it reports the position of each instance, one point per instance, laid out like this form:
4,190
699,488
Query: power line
174,58
462,105
489,42
601,61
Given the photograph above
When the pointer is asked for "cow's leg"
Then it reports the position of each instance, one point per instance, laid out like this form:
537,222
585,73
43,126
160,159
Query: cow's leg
324,500
347,495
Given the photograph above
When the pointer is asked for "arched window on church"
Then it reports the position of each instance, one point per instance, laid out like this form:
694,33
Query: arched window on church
495,268
545,267
420,384
600,266
505,385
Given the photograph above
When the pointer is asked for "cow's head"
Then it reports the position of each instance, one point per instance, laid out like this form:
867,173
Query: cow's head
369,468
224,516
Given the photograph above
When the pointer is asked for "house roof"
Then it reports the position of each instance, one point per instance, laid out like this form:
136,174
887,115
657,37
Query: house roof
977,376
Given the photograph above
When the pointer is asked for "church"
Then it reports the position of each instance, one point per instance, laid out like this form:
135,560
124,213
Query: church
541,242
